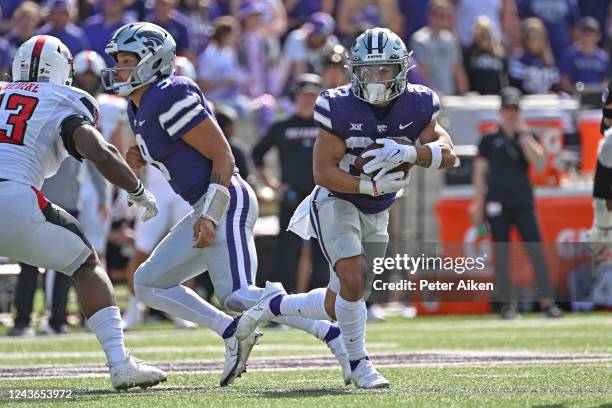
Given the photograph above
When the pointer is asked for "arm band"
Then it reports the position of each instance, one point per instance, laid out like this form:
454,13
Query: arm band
216,203
436,154
67,128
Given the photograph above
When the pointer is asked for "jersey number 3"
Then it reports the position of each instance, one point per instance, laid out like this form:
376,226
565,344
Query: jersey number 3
25,106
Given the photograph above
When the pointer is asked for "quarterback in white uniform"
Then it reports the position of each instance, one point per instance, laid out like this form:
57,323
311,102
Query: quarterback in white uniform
42,121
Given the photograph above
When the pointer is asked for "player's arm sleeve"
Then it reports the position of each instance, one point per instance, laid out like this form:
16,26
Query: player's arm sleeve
435,105
323,117
67,128
264,145
182,109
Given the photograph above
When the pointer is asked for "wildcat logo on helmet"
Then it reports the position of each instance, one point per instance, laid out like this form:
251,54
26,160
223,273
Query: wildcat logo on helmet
148,37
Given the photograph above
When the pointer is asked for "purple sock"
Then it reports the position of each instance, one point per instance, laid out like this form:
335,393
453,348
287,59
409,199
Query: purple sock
231,329
275,305
355,363
332,333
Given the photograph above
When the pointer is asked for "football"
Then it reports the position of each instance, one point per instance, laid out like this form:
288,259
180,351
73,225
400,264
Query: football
361,161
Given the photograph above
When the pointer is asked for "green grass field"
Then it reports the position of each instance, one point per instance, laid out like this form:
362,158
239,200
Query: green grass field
430,361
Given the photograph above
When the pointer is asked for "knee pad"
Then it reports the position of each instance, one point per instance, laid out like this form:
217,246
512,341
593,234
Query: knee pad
242,299
347,246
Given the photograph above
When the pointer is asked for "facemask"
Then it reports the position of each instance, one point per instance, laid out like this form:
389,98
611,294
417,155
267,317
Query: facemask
376,93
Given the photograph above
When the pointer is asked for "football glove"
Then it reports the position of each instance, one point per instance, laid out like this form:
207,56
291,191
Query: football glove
388,157
389,183
144,198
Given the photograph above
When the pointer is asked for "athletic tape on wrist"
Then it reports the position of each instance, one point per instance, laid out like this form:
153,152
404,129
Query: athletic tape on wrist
216,203
436,154
138,191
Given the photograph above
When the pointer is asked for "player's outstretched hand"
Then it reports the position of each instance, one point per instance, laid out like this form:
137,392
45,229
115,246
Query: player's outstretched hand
145,199
203,233
134,158
389,183
388,157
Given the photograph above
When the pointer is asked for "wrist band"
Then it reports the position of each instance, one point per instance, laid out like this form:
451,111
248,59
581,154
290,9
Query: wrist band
138,191
436,154
216,203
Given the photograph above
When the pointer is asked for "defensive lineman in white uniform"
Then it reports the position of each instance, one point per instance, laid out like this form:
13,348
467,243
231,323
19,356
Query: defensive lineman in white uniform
42,121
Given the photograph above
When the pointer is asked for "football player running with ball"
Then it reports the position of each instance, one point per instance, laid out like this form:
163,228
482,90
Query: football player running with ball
176,132
42,121
349,211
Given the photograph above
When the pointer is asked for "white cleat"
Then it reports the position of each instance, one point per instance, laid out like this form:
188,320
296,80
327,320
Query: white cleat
134,314
237,353
366,377
260,312
337,348
132,373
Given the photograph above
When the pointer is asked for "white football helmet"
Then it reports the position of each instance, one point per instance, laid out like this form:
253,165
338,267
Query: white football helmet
152,45
88,61
374,50
184,67
43,58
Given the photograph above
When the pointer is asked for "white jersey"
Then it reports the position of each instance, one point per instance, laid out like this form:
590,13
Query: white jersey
31,148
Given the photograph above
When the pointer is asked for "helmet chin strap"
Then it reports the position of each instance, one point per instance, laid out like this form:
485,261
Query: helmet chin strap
376,93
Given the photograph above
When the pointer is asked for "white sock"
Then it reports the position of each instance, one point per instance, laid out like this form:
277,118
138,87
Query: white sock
352,318
317,328
183,302
309,305
106,323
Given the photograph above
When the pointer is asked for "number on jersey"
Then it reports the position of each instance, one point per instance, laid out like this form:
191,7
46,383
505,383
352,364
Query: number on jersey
18,121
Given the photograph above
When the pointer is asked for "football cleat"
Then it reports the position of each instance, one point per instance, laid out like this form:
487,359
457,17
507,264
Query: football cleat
132,373
237,353
260,312
366,377
337,348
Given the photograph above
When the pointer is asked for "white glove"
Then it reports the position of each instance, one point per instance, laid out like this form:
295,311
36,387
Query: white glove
389,183
144,198
388,157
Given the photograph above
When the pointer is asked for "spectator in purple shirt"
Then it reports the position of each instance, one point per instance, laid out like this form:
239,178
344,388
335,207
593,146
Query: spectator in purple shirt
533,70
415,16
600,10
7,8
5,59
61,13
166,16
99,28
584,61
299,10
559,18
24,22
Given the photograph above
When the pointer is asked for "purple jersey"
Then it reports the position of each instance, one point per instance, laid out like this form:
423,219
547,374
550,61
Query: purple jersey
341,113
559,16
587,68
169,109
